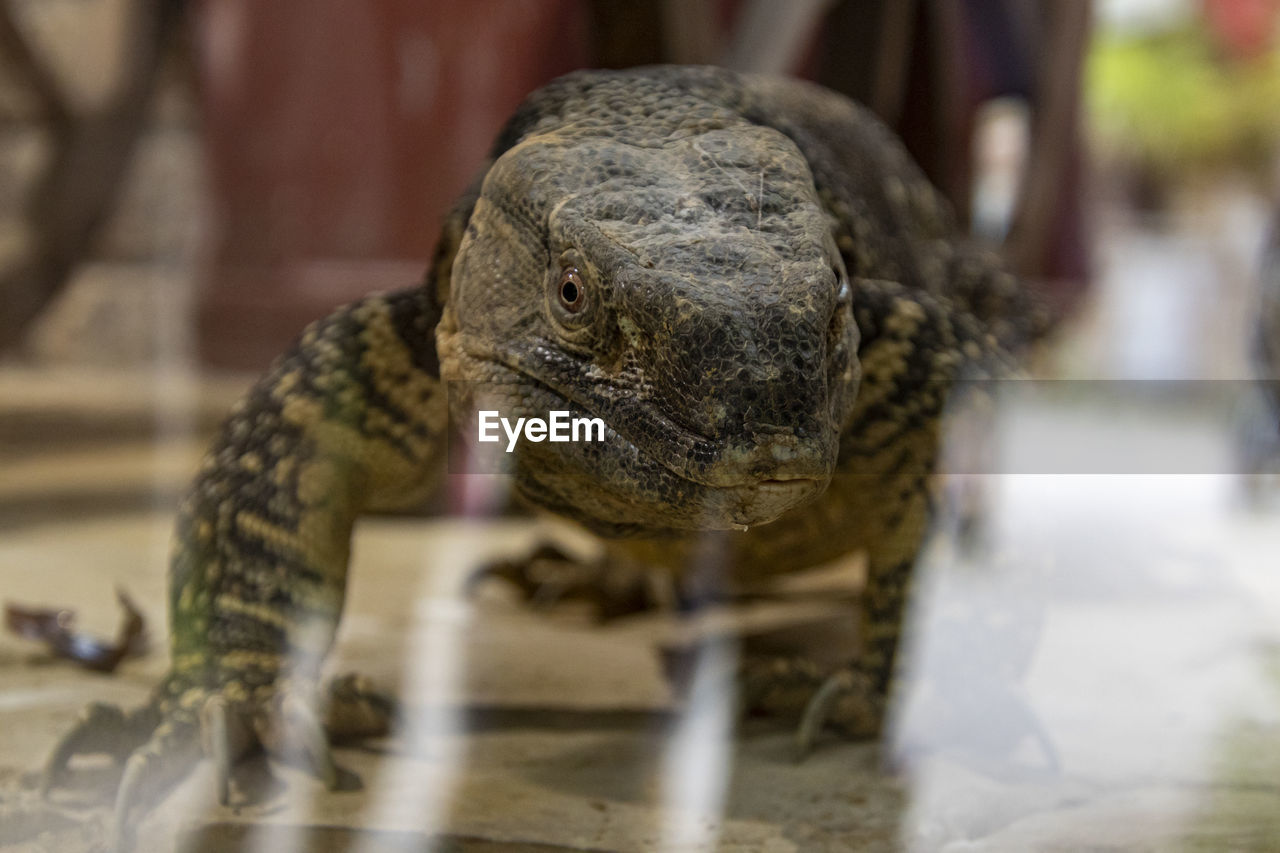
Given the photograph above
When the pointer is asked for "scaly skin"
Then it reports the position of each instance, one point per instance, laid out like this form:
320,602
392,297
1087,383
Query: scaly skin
351,420
770,311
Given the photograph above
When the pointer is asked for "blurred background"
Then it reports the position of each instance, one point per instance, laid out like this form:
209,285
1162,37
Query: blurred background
194,181
184,185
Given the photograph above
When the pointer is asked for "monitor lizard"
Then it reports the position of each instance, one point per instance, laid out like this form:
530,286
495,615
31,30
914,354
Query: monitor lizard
745,277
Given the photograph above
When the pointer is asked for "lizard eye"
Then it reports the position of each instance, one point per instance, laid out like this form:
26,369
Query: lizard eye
569,297
573,295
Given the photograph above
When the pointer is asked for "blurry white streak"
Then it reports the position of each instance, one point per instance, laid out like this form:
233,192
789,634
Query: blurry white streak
1144,17
12,700
409,795
223,28
274,838
174,382
1001,143
772,37
175,376
697,761
415,791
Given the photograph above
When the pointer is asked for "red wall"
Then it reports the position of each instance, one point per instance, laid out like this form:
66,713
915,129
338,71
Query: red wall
338,132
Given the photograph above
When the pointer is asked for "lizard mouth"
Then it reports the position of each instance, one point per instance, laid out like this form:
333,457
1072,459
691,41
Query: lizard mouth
778,464
764,501
644,489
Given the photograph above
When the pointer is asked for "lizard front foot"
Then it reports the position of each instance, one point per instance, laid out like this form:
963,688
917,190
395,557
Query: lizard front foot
160,743
844,699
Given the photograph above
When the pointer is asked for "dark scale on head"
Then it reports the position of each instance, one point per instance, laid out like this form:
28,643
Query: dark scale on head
718,340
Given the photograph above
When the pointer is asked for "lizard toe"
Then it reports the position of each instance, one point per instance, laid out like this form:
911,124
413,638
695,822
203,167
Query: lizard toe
547,577
846,700
289,726
102,729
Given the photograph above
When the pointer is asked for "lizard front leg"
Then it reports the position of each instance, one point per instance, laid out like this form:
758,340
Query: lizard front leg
891,519
879,501
352,419
855,698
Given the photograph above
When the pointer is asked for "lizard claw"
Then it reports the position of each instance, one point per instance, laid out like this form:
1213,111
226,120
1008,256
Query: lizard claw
306,738
102,727
159,743
216,726
844,699
300,728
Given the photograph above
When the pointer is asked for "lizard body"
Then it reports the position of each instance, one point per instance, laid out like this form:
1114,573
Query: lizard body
746,278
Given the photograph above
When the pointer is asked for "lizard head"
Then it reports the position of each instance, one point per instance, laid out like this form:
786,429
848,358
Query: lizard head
686,290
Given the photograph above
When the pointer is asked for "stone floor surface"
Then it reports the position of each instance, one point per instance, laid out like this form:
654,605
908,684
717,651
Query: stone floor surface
1102,672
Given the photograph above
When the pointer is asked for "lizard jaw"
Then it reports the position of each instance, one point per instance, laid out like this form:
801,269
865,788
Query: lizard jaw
760,503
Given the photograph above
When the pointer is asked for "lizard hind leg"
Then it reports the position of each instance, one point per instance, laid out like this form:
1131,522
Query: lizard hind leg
846,698
613,587
357,709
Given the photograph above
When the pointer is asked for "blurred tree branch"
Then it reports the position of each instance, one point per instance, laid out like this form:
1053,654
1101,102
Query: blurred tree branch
1054,138
18,61
90,156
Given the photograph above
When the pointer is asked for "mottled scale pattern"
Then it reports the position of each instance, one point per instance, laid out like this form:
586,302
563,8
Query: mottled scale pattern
769,310
350,419
259,568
